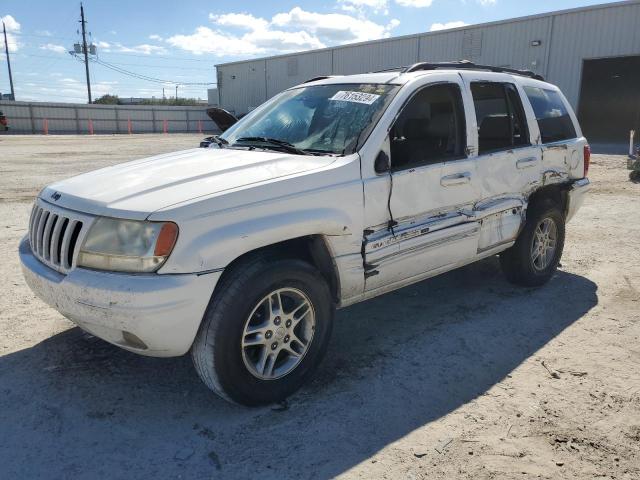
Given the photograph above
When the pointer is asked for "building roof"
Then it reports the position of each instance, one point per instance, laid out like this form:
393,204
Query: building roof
440,32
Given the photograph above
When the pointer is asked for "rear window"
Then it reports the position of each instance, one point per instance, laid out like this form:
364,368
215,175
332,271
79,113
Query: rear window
553,117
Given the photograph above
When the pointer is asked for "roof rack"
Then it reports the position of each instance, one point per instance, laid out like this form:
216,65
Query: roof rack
467,65
321,77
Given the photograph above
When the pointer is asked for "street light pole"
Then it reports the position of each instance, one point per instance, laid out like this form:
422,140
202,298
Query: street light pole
85,50
6,49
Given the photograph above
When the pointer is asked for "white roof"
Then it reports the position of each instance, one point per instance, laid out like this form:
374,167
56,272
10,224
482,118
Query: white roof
397,78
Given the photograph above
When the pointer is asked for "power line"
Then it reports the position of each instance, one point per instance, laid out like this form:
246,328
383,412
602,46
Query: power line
146,77
22,34
168,57
162,66
188,59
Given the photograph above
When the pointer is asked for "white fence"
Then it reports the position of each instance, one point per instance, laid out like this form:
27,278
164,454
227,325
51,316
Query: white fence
71,118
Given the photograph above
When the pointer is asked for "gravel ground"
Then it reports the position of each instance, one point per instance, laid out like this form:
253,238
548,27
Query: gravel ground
461,376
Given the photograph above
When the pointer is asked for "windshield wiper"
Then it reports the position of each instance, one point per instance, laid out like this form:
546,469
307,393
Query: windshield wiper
282,144
221,142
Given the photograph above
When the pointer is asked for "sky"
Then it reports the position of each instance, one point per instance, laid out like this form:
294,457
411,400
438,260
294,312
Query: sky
142,43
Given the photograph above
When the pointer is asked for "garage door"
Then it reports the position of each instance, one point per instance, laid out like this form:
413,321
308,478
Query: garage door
610,99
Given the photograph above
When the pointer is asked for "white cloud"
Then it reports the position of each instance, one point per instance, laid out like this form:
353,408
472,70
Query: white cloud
486,3
286,32
144,48
12,27
155,37
277,40
415,3
11,24
239,20
377,6
206,40
53,48
445,26
333,28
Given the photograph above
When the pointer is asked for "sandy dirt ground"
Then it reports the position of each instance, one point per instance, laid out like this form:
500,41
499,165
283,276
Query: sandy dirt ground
461,376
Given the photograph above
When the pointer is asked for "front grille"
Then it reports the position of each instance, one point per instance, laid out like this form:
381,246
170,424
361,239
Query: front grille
54,235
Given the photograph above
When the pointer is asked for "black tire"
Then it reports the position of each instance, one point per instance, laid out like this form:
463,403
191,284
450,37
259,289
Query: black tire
217,353
517,262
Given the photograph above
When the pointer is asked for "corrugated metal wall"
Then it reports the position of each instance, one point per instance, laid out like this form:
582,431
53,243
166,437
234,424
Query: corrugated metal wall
375,56
285,72
566,39
62,118
243,86
591,34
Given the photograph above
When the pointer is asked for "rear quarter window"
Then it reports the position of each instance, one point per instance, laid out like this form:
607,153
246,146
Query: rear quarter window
553,118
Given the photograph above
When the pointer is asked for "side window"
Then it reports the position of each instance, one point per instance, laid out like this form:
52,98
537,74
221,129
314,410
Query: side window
430,128
502,123
553,118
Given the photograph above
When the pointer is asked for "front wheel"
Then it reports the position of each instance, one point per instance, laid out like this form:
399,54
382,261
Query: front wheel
535,256
265,331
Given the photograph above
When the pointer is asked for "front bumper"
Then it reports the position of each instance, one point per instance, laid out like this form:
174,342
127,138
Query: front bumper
576,196
150,314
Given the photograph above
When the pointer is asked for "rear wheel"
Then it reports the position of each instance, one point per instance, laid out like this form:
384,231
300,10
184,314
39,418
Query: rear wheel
265,331
535,256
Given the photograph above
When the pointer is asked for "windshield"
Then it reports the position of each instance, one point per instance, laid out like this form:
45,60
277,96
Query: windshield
321,119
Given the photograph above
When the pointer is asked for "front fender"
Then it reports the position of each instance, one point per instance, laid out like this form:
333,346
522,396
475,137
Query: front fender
218,247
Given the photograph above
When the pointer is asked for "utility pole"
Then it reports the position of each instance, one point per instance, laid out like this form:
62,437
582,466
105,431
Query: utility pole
85,50
6,49
176,93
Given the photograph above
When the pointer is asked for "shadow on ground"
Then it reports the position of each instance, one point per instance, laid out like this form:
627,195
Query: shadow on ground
74,406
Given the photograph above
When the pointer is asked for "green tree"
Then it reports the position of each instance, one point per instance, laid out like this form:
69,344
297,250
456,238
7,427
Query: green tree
108,100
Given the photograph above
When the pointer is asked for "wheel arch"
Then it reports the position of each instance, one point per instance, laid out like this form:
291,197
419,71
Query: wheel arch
550,195
313,249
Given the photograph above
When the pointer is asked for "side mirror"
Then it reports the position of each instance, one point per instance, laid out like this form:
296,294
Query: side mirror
382,163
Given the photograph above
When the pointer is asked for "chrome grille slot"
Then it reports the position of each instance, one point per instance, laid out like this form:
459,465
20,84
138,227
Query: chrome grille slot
55,235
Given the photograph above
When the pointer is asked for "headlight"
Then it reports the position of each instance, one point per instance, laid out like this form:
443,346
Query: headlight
127,245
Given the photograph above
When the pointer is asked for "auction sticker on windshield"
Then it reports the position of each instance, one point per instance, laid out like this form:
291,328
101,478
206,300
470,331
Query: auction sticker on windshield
357,97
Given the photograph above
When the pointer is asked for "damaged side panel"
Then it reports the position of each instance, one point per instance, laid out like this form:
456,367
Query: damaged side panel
416,246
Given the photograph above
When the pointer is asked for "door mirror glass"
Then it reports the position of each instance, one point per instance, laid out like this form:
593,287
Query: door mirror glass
382,164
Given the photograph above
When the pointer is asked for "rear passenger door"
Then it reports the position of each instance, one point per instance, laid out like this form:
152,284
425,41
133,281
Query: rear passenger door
508,164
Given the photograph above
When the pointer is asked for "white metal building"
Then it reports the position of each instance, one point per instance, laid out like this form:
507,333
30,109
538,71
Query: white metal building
592,53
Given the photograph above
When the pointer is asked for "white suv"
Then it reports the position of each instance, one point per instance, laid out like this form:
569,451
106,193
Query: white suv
330,193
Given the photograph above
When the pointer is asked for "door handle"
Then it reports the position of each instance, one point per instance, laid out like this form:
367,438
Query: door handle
526,162
562,146
455,179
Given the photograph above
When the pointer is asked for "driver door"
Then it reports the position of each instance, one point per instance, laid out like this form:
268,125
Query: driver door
428,226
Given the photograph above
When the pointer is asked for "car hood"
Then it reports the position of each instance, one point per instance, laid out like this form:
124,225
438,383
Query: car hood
136,189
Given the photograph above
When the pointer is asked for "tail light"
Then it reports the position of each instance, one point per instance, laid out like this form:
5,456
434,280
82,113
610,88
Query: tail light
587,159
